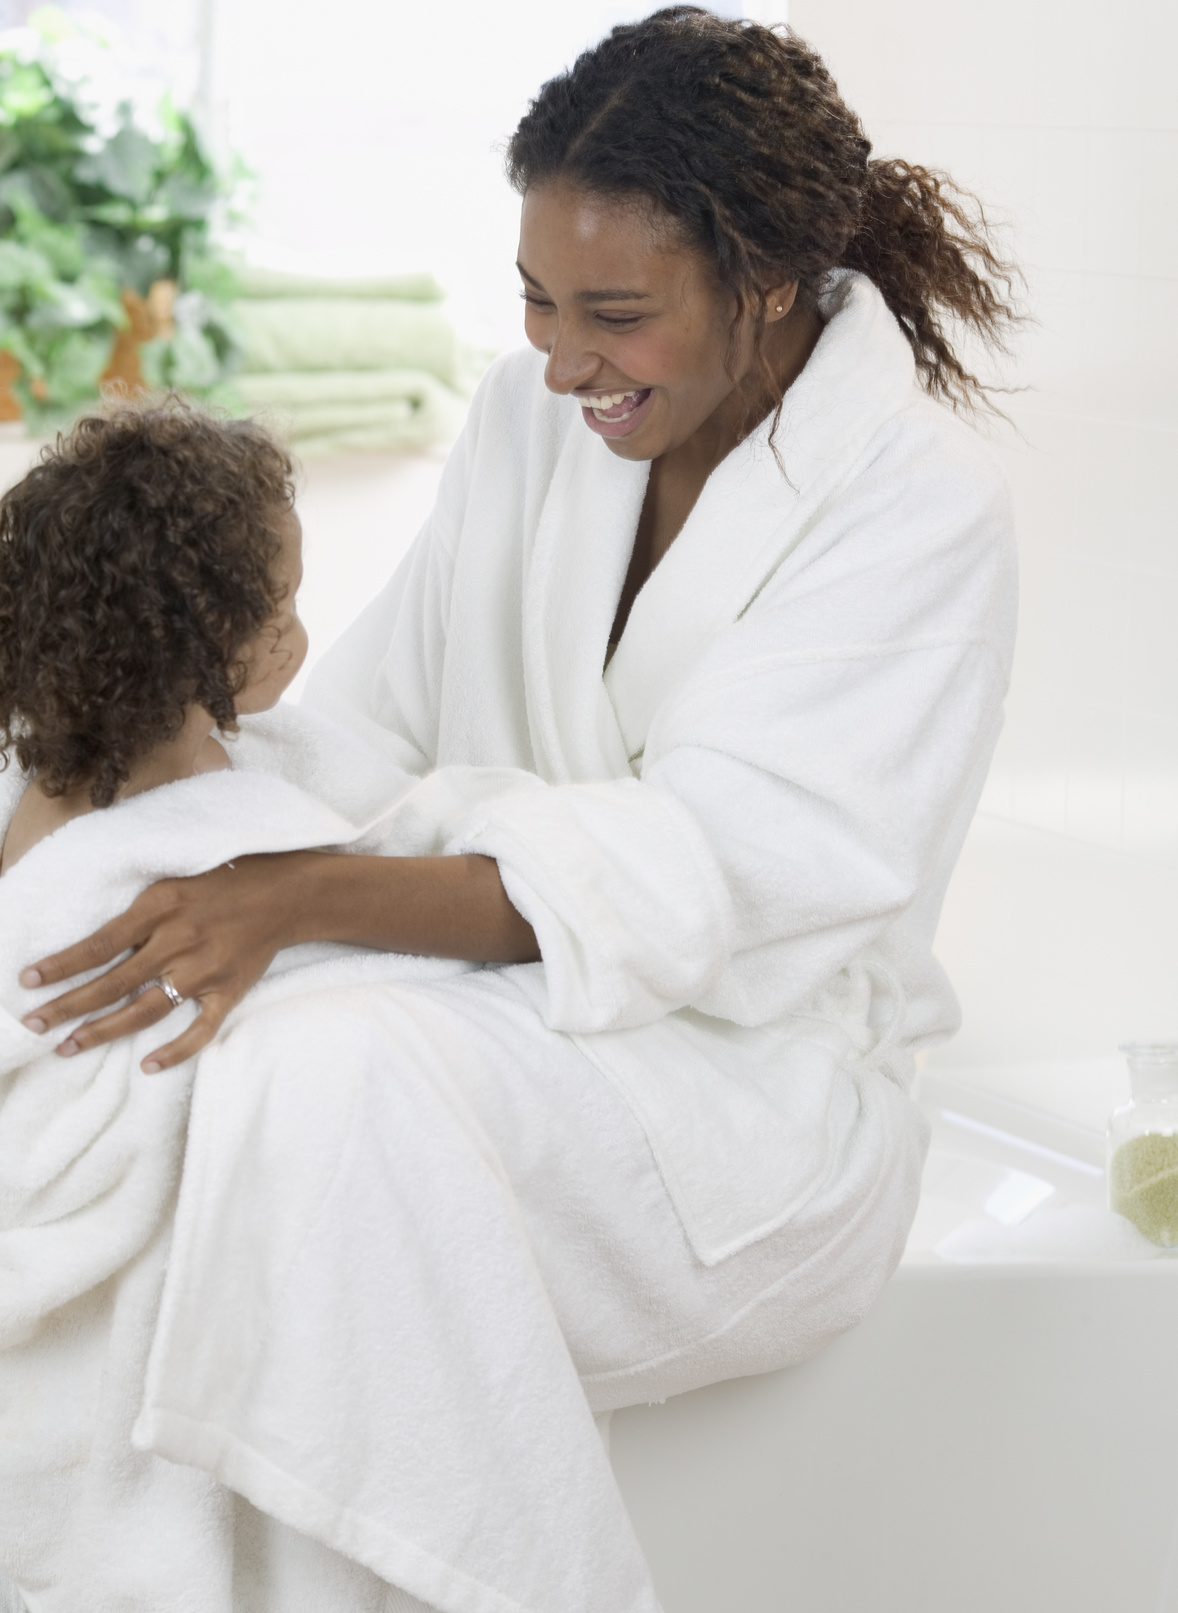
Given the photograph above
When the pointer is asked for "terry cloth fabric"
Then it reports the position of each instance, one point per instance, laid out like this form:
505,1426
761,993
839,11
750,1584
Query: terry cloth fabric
254,280
331,411
344,365
733,847
90,1152
451,1217
89,1158
419,1239
281,334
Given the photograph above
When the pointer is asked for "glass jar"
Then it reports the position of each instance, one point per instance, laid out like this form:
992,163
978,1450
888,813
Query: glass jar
1143,1144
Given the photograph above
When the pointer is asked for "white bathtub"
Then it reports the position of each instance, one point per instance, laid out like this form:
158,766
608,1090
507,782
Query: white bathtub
993,1438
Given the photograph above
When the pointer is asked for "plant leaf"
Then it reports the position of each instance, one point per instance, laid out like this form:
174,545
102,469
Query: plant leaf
126,166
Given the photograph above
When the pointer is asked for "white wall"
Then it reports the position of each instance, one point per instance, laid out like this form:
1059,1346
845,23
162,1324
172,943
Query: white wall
376,129
1061,928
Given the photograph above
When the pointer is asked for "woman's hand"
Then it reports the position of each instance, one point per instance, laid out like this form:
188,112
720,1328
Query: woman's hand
211,937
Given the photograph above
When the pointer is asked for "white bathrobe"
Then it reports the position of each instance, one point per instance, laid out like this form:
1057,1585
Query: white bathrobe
432,1218
733,847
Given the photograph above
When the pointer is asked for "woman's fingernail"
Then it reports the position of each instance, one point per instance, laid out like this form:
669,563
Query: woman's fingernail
30,977
150,1067
32,1023
68,1048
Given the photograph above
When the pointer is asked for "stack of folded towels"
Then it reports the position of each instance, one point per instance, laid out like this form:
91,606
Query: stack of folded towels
348,364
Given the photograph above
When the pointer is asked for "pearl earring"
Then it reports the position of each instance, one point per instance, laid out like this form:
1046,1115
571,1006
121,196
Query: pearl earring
778,307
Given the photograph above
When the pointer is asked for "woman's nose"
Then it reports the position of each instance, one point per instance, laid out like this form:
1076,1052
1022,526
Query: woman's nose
570,364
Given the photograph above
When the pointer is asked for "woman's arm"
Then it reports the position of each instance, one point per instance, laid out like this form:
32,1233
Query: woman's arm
213,936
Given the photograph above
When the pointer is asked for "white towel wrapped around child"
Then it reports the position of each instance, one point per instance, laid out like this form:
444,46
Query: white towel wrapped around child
90,1155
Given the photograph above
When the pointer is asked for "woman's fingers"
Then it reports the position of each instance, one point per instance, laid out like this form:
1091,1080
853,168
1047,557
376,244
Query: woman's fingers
211,936
199,1034
97,950
136,1016
147,1010
104,992
152,931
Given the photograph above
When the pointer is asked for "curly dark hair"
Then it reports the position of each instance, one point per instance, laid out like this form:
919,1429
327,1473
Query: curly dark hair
136,562
737,131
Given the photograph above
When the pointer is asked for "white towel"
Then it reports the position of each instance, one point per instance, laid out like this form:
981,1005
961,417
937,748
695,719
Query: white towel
90,1153
378,1363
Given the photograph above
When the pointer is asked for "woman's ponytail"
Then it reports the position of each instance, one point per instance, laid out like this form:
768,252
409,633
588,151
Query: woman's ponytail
738,132
925,244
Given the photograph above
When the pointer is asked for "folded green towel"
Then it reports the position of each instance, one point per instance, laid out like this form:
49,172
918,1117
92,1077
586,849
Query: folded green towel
338,333
380,436
255,282
324,411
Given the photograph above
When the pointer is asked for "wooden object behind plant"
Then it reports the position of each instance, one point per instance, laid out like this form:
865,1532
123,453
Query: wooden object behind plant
148,317
9,402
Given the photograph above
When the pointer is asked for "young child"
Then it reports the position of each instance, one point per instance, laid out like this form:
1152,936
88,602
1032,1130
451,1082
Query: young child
148,570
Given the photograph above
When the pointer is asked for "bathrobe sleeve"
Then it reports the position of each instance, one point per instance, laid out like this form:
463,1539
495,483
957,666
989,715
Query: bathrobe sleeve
798,784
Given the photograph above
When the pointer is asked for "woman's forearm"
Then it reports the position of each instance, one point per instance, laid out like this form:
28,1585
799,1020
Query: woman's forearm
444,907
211,936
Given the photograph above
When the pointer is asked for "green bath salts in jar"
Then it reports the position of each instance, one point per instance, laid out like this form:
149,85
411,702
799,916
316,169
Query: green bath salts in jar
1143,1185
1143,1144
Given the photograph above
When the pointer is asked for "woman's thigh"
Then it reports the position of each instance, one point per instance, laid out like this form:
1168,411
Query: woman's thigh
642,1315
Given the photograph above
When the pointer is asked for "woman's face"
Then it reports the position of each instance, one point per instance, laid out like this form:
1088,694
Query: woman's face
626,312
276,654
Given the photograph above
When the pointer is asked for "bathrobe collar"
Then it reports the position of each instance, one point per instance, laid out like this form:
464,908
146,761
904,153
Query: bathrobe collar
574,578
747,519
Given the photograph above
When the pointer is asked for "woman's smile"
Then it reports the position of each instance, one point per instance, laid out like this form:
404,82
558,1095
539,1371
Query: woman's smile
616,414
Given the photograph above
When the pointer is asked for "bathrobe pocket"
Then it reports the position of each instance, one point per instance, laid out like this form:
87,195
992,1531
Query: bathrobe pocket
746,1125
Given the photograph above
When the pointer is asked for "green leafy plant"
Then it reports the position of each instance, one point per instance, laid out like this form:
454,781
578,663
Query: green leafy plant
102,197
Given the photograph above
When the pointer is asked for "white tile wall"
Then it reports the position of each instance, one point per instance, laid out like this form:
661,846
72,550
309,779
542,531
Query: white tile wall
1061,927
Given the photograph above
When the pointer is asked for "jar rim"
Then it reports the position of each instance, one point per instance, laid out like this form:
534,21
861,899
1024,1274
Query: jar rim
1150,1052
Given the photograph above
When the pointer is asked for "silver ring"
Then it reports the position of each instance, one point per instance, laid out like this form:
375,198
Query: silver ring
165,986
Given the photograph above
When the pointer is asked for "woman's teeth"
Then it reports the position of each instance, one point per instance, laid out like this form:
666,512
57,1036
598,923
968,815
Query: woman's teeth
610,400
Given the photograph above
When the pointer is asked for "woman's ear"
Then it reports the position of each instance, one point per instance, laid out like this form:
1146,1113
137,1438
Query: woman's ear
779,300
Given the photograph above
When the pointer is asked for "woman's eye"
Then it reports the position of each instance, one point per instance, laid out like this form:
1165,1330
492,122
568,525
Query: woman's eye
610,321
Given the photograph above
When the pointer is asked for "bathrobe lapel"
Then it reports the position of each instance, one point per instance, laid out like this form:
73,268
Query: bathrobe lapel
574,577
751,515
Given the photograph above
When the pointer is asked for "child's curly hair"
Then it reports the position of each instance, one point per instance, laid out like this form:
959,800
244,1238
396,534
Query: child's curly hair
136,563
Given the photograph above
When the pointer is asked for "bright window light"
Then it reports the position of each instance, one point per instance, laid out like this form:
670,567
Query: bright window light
375,127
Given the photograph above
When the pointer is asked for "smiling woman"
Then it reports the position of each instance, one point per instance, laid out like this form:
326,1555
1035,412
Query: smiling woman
657,353
677,710
654,365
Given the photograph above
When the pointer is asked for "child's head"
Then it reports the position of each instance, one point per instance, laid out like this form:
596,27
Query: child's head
148,563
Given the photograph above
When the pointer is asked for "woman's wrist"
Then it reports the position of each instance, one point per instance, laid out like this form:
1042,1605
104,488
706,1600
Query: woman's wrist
329,896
